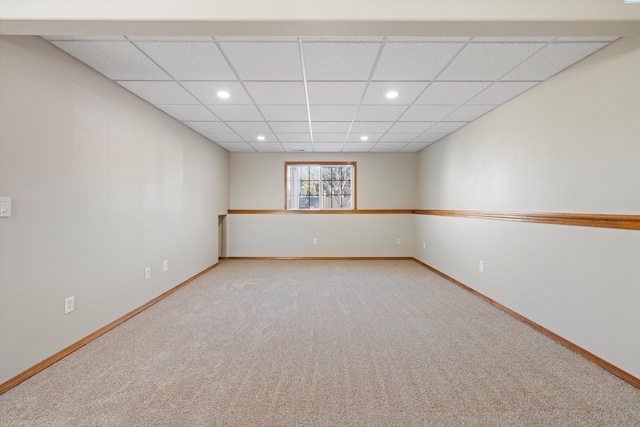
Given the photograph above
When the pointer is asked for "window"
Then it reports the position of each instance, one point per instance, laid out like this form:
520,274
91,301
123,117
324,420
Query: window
314,186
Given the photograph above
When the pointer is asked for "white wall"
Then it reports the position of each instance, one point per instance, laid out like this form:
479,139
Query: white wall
102,185
571,144
384,181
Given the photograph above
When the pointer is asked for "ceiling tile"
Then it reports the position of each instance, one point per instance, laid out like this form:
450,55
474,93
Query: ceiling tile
257,38
163,92
387,147
290,127
587,39
223,137
430,137
450,93
265,61
407,93
342,39
373,127
399,137
513,39
371,137
411,127
327,147
427,113
331,127
332,113
414,61
207,92
170,38
252,137
551,60
208,127
414,147
85,38
236,113
372,113
446,127
500,92
339,61
268,147
294,137
189,113
189,60
488,61
427,39
277,93
297,146
245,127
358,147
116,60
336,93
236,147
284,113
468,113
329,137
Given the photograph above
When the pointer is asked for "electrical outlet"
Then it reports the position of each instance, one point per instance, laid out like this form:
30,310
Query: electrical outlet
315,241
481,266
424,245
69,305
165,265
398,241
147,273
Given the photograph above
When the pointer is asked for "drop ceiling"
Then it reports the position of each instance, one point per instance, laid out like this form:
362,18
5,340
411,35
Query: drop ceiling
327,94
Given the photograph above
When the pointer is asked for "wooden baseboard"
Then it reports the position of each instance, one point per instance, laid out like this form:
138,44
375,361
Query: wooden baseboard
332,258
9,384
571,346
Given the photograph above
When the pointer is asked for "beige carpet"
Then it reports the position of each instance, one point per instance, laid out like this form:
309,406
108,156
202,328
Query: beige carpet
322,343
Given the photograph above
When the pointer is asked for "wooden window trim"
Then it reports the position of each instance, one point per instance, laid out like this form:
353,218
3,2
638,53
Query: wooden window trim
354,184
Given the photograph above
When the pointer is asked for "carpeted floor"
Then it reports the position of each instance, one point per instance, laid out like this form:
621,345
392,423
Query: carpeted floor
322,343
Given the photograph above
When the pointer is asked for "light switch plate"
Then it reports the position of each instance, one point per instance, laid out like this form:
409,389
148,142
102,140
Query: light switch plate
5,207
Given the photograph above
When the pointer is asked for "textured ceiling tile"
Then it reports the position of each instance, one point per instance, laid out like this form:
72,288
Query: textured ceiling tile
414,61
284,113
163,92
223,137
297,146
446,127
267,147
327,147
358,147
85,38
488,61
170,38
335,93
339,61
371,136
551,60
277,93
427,113
290,127
294,137
373,127
430,137
500,92
331,127
411,127
257,38
189,60
608,39
265,61
236,147
450,93
513,39
188,113
207,92
333,113
116,60
399,137
407,93
244,127
387,147
414,147
209,127
236,113
427,39
329,137
373,113
342,39
468,113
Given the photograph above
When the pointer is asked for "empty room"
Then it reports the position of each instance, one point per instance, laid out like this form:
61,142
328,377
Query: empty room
319,212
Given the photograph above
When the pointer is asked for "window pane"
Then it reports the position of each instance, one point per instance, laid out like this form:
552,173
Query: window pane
304,203
304,173
346,201
314,202
314,172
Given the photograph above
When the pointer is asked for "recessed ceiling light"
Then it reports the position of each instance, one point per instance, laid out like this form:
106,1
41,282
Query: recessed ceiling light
223,94
260,137
364,138
392,94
